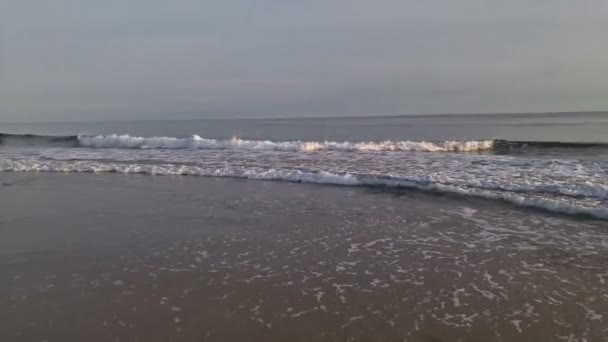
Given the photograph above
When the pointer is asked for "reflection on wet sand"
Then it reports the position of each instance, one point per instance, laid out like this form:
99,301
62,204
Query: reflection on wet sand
255,261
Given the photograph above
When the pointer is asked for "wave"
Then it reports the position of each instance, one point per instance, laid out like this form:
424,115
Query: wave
196,142
125,141
535,200
38,140
522,144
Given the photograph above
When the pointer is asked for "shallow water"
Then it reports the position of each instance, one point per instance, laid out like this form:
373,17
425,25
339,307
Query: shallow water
555,162
410,229
101,257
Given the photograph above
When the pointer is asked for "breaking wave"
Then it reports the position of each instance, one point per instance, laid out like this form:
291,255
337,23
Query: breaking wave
523,197
125,141
196,142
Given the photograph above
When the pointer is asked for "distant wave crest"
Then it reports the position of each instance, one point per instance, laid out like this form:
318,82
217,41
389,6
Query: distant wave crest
126,141
196,142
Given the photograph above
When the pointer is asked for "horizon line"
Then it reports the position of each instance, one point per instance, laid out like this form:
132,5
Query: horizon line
309,117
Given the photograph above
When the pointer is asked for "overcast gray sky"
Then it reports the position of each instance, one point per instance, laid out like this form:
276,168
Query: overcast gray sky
137,59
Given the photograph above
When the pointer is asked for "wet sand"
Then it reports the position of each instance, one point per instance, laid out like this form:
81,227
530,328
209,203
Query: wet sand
109,257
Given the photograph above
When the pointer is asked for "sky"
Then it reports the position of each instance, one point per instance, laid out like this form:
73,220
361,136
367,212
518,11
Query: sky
73,60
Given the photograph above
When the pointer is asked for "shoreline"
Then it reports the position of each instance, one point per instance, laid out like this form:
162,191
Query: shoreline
101,257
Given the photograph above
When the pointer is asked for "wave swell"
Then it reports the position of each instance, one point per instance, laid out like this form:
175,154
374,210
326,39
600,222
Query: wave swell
38,140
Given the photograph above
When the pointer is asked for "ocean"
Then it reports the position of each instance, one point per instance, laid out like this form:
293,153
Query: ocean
554,162
422,228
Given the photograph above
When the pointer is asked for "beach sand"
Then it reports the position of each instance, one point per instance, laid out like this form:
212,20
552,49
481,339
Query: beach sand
111,257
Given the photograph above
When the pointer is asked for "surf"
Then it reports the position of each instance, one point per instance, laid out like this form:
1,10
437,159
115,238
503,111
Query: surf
126,141
545,197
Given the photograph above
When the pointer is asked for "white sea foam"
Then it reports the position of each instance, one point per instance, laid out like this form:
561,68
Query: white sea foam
196,142
554,204
565,178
